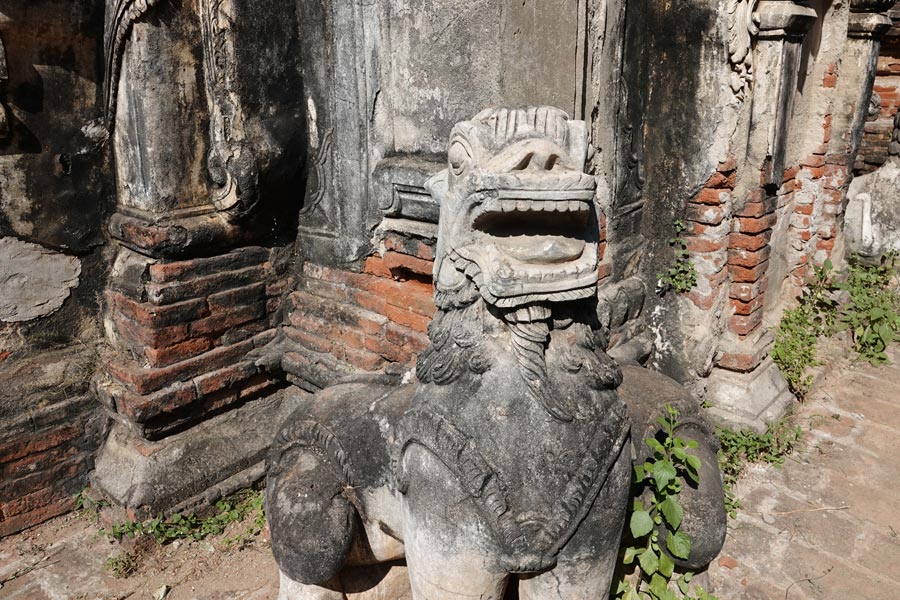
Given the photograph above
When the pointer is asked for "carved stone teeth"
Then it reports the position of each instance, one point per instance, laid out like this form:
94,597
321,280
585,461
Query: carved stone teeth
523,205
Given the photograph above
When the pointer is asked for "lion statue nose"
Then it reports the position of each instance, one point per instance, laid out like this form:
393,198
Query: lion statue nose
537,161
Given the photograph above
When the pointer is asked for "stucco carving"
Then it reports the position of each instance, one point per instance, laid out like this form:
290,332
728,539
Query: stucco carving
511,453
743,25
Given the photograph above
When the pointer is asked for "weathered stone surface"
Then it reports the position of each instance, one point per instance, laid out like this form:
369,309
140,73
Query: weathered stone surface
221,455
34,281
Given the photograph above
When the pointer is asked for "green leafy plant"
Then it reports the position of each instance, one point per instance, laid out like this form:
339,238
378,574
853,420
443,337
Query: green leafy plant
798,334
191,526
872,314
122,565
681,277
656,515
741,448
88,507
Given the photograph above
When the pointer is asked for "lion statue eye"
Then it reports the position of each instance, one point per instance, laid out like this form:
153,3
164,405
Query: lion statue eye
458,156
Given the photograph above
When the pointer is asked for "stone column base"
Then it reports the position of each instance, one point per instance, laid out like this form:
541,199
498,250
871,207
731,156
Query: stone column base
192,468
748,400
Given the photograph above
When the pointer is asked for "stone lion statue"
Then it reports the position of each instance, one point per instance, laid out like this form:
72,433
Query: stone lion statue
510,456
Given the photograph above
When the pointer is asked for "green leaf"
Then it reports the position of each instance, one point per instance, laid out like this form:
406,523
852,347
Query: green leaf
663,473
641,524
672,511
649,562
653,444
630,552
666,565
679,544
693,462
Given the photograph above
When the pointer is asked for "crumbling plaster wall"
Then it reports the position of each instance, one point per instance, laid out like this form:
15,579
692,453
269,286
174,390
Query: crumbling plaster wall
53,201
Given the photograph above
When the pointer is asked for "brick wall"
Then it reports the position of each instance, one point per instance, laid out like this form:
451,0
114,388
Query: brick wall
181,331
342,321
47,450
878,128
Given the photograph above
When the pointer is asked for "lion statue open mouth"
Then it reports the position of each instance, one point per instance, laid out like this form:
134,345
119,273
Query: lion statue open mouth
509,458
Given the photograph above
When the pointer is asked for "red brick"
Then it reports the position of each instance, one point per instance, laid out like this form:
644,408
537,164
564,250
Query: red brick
35,517
329,330
717,181
143,380
279,287
710,196
803,209
407,318
375,265
745,324
697,245
387,350
309,341
406,338
746,292
396,261
411,295
229,377
163,357
746,258
157,317
742,361
141,408
32,502
758,209
706,214
750,225
790,173
743,274
746,308
34,442
829,80
219,322
363,359
165,272
170,293
37,462
241,296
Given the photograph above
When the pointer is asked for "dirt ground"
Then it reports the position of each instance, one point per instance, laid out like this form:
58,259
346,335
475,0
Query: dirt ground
65,559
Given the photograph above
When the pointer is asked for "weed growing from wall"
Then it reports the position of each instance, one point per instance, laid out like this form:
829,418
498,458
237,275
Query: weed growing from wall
681,277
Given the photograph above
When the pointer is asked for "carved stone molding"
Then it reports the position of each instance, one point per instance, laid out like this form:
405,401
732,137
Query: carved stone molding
742,27
781,18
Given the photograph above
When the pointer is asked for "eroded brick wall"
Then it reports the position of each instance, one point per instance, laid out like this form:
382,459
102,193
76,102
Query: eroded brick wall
181,332
48,448
879,126
342,321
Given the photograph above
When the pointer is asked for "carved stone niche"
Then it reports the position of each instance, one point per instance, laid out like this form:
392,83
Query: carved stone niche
207,122
378,109
509,459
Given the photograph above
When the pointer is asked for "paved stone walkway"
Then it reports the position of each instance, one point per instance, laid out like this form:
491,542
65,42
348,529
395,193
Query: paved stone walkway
826,526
